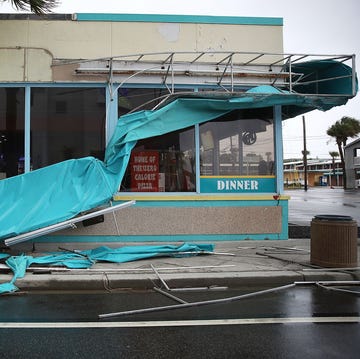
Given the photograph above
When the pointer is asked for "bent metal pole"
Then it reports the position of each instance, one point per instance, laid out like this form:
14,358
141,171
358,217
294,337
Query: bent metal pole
195,304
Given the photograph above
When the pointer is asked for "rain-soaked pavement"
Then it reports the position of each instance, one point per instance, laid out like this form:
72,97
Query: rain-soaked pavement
302,321
304,205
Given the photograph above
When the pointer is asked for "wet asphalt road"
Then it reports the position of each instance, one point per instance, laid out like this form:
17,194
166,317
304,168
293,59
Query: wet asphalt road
304,205
299,322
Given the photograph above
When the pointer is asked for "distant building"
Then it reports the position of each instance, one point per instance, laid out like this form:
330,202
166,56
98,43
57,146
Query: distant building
320,172
352,164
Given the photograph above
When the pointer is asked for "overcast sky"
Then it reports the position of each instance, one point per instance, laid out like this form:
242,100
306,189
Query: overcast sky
310,26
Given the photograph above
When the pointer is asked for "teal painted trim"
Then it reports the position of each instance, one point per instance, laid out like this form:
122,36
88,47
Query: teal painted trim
53,84
197,19
13,84
111,111
199,203
27,127
197,157
279,150
172,238
285,219
103,84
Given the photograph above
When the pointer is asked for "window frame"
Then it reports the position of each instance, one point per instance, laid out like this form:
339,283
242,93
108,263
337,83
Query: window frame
111,118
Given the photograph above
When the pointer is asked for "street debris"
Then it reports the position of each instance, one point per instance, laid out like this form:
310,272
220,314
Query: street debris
328,285
183,289
194,304
85,259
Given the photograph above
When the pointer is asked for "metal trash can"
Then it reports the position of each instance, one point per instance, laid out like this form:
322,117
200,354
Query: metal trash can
333,241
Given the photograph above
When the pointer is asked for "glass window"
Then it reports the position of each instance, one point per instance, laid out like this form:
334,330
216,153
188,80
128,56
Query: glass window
141,98
163,164
66,123
12,103
239,143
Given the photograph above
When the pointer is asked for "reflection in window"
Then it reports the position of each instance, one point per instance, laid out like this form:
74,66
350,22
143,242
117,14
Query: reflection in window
239,143
12,102
66,123
162,164
141,98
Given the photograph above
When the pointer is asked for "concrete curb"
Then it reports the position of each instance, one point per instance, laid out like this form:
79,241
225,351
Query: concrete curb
108,281
297,231
237,264
302,231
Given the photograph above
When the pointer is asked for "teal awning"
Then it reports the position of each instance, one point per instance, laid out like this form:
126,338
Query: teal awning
324,83
323,77
60,192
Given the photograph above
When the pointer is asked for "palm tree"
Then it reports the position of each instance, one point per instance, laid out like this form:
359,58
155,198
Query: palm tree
38,7
341,130
333,154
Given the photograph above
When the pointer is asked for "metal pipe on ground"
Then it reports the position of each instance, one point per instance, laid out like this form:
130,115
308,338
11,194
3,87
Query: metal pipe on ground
195,304
223,300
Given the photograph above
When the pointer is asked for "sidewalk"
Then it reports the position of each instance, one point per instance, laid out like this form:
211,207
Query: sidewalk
233,264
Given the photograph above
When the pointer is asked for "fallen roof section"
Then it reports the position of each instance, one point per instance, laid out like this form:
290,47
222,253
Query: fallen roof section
52,195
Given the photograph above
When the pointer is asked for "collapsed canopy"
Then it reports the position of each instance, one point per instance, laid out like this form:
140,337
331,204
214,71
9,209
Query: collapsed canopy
60,192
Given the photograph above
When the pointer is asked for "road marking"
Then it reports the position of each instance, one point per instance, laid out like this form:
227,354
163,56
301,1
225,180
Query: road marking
178,323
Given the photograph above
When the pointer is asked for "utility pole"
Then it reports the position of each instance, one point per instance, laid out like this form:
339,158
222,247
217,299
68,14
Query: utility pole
305,155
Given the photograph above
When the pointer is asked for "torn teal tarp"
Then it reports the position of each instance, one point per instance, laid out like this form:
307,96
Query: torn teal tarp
53,194
60,192
8,287
85,259
131,253
18,266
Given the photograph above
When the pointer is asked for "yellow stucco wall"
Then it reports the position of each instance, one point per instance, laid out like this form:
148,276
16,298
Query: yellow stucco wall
28,47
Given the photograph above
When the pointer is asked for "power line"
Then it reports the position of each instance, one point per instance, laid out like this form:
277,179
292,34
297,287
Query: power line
308,137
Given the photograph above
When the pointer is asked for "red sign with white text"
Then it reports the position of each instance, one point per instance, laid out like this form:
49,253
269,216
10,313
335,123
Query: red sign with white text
144,171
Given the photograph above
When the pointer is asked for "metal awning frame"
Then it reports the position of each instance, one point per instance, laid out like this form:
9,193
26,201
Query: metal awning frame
229,71
71,223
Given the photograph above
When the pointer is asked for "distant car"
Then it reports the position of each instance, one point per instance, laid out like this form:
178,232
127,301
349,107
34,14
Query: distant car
357,183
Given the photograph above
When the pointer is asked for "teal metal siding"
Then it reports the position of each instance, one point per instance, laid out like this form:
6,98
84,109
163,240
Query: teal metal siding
197,19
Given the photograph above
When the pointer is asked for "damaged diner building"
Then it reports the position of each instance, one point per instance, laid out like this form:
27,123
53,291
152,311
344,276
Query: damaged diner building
140,128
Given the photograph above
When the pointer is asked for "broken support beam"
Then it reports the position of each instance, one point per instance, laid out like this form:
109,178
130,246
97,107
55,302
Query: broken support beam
195,304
